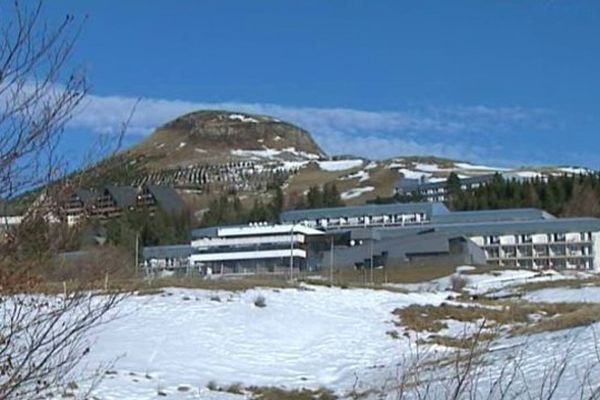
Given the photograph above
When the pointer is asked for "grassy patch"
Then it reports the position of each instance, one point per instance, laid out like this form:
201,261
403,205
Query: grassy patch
271,393
399,274
520,317
583,315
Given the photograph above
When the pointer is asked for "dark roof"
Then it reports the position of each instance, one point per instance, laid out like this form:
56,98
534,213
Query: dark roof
124,196
7,209
86,196
557,225
205,232
365,210
160,252
511,214
167,198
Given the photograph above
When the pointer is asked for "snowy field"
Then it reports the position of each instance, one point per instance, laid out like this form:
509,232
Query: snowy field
181,340
319,337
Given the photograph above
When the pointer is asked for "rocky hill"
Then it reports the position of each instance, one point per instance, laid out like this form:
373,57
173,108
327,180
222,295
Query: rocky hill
209,137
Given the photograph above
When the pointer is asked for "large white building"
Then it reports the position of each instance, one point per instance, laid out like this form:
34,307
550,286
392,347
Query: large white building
252,248
397,234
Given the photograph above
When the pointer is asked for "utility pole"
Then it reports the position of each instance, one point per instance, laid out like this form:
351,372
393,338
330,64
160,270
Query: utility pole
331,258
371,250
137,251
292,253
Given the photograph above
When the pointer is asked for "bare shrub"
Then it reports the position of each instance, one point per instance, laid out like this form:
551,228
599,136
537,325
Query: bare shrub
94,264
458,283
43,338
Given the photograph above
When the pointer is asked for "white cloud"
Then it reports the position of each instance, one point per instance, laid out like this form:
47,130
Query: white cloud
455,132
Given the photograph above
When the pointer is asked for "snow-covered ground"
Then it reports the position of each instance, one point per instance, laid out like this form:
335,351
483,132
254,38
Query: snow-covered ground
340,165
302,338
361,175
179,341
492,282
356,192
585,294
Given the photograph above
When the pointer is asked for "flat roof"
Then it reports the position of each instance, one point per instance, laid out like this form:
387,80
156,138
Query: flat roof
507,214
251,230
499,227
428,208
172,251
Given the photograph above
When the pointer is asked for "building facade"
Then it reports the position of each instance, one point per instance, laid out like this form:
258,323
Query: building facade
112,201
370,215
396,235
255,248
437,191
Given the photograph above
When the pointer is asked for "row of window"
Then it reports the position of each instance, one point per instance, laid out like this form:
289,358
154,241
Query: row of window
528,238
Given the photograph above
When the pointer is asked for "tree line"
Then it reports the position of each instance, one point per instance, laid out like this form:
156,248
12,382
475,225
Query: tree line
563,196
228,209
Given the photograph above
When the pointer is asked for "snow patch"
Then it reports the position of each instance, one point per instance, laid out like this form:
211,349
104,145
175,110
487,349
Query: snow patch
361,175
243,118
356,192
339,165
410,174
574,170
465,165
586,294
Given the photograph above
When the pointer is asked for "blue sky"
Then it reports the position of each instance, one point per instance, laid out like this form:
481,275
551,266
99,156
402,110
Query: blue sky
504,82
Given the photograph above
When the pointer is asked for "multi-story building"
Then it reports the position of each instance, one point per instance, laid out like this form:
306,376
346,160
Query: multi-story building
398,234
525,239
112,201
255,248
396,214
437,191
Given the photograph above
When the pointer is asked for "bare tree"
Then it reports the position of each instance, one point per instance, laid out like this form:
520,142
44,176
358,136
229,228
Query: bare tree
43,338
477,370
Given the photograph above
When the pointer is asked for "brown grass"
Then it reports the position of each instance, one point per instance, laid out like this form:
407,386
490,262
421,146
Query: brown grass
143,287
393,274
518,316
584,315
270,393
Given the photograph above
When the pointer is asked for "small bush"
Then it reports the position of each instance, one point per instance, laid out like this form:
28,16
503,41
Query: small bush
458,283
234,388
260,301
272,393
215,298
212,386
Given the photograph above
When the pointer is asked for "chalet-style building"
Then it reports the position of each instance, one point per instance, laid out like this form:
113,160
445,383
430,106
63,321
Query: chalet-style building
160,197
79,204
112,201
